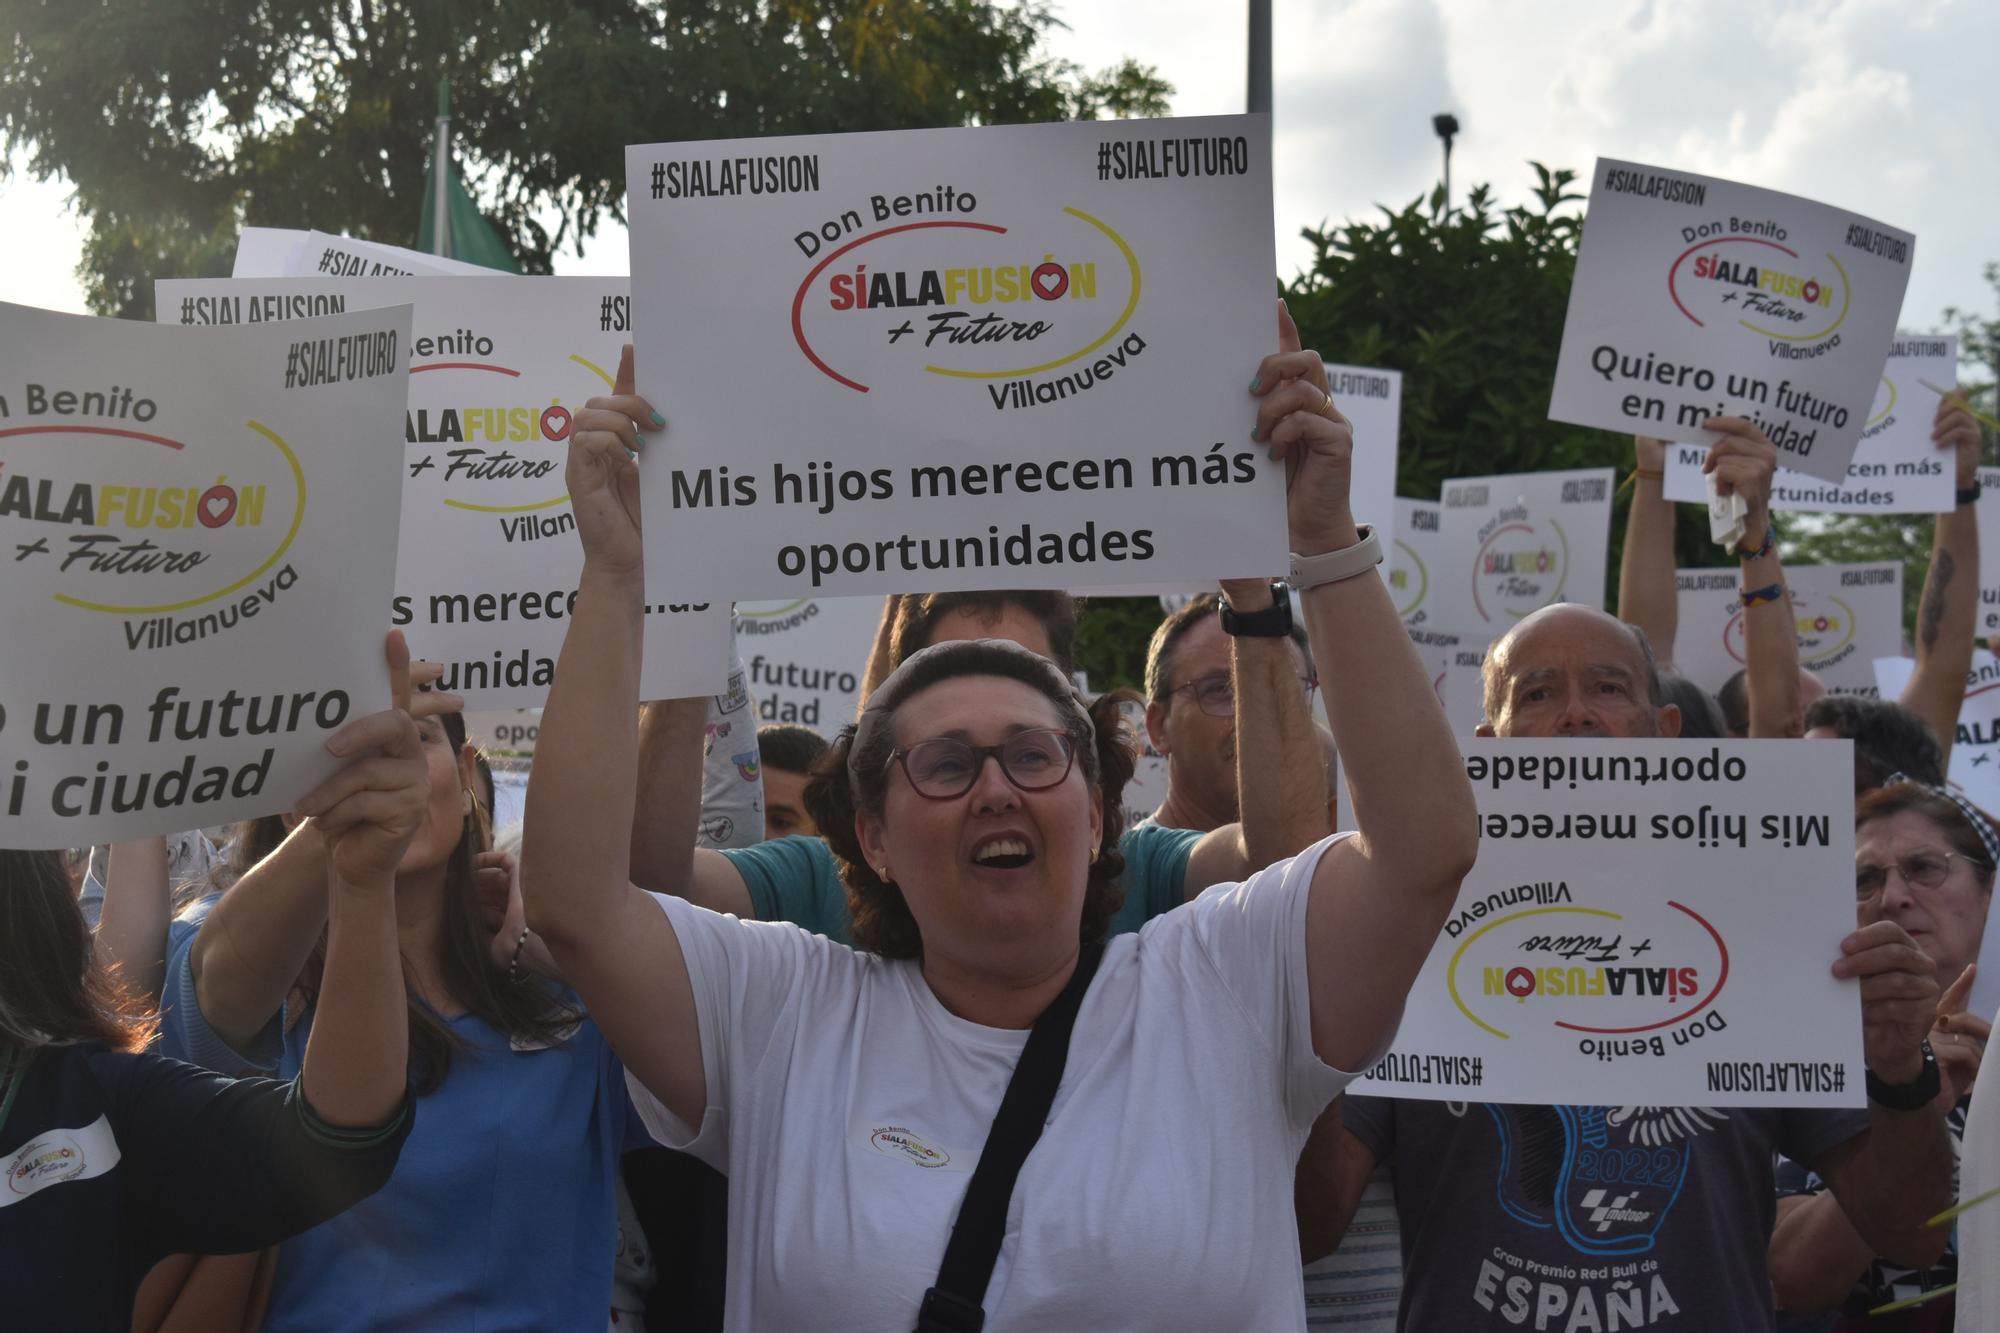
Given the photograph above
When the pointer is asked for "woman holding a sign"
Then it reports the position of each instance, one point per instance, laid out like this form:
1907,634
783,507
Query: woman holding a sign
115,1157
1924,857
521,1107
970,1080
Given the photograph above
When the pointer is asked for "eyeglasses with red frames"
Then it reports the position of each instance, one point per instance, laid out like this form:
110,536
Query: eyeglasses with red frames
1216,694
944,766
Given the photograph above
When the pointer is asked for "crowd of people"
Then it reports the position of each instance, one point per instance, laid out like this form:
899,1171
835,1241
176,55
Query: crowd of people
913,1026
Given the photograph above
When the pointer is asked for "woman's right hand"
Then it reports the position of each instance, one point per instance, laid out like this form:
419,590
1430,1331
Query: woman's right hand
603,473
368,811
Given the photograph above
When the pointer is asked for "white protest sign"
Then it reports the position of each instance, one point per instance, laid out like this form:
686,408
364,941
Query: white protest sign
183,629
1649,923
1848,615
1413,554
1453,662
324,256
1007,357
1372,401
266,252
504,733
1975,770
490,556
1989,552
1696,297
1514,544
806,657
1898,468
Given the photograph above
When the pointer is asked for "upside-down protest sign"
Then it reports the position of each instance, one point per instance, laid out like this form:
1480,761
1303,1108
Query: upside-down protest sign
1012,356
1697,297
199,533
1649,923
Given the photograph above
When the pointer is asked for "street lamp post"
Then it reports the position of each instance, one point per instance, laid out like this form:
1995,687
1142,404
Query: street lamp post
1446,126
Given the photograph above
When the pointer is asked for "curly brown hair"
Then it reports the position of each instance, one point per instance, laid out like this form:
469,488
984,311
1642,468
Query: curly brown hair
880,920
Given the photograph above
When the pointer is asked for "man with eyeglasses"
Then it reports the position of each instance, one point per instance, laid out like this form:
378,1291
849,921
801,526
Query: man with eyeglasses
1191,695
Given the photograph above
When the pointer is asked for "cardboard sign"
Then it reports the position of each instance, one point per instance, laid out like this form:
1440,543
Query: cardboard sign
1413,554
1007,357
324,256
1974,770
1898,469
490,557
1696,297
1372,400
199,533
266,252
1848,615
1454,662
505,733
806,656
1514,544
1989,551
1649,924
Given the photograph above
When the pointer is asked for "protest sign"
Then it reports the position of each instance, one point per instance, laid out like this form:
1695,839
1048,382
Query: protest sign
1514,544
1696,297
1412,556
1898,468
490,558
1005,357
266,252
504,733
1989,552
183,630
1974,770
1372,402
806,656
1848,615
1453,661
322,256
1649,924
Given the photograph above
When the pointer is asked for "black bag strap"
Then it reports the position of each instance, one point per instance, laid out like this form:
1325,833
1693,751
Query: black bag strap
956,1304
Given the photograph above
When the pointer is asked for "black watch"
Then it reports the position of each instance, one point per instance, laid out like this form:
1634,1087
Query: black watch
1273,622
1970,494
1915,1095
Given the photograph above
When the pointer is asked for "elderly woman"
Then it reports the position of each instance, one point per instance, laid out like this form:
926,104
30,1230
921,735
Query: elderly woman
851,1096
1924,858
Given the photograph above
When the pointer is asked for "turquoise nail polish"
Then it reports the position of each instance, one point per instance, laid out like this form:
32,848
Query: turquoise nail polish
1255,432
659,420
1255,380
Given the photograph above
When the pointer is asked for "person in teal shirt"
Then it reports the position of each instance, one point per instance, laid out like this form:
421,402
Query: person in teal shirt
798,880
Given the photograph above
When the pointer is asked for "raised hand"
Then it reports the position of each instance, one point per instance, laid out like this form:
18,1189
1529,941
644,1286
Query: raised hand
1743,462
1899,997
1959,1037
1954,428
1298,422
368,811
603,473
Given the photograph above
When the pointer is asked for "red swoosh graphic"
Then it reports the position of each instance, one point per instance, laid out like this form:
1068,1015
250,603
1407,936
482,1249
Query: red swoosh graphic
93,430
799,300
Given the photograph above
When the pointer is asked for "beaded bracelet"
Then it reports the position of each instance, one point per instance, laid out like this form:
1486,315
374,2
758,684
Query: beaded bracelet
514,973
1770,542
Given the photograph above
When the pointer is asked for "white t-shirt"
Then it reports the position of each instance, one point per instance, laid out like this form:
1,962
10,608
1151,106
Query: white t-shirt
848,1107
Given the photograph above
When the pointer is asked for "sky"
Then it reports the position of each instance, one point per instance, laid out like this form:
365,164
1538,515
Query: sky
1885,107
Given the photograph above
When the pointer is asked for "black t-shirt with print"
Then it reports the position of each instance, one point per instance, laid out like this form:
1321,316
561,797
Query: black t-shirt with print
1587,1217
113,1161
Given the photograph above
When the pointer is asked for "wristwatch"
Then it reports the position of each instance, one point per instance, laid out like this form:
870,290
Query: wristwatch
1309,571
1918,1093
1273,622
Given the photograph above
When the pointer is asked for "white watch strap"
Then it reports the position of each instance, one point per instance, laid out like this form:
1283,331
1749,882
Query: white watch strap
1309,571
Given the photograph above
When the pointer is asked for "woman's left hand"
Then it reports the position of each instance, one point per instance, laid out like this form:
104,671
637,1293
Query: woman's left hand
497,880
1298,422
1959,1038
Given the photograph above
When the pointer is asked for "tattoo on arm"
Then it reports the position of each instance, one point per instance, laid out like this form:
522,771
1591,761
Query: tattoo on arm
1930,616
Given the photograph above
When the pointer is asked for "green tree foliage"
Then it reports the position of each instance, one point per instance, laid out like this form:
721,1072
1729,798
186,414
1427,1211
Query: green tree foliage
180,120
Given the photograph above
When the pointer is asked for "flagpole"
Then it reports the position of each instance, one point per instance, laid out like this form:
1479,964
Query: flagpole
440,175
